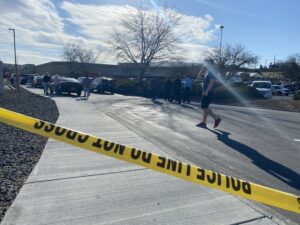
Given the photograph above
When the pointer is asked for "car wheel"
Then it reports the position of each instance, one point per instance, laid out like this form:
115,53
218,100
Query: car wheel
287,94
78,94
279,93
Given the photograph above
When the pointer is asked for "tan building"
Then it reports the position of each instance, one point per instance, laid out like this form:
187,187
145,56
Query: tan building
28,69
118,71
79,69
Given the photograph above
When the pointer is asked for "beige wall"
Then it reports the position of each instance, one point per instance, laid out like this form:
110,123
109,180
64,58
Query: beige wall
77,69
122,70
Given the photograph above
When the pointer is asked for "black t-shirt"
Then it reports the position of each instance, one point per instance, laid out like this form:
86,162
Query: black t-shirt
177,84
207,78
46,78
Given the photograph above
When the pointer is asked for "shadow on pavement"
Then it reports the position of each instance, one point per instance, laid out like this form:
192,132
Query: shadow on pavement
157,102
279,171
81,99
187,106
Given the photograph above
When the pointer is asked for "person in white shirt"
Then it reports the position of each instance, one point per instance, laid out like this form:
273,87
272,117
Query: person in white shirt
56,83
86,87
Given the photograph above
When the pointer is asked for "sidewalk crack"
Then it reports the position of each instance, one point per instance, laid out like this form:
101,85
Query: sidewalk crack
250,220
82,176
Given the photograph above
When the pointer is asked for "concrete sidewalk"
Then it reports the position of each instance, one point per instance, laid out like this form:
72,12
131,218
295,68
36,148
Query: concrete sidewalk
72,186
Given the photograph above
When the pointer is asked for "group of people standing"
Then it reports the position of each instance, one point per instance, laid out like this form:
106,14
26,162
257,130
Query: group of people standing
180,89
55,82
177,90
173,89
47,81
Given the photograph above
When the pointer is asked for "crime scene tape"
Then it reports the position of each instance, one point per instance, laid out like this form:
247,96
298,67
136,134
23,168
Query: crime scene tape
208,178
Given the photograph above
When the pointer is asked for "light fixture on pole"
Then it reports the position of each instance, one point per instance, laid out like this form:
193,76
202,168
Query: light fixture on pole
16,70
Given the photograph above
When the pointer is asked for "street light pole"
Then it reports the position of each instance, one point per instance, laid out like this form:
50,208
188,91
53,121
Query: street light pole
274,67
16,69
220,55
221,28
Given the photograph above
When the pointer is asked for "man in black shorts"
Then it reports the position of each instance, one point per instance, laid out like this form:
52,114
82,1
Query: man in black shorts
207,97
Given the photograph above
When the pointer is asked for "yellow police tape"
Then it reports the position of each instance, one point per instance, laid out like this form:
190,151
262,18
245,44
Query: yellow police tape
152,161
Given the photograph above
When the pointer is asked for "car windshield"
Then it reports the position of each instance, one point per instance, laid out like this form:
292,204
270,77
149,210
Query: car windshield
262,85
69,79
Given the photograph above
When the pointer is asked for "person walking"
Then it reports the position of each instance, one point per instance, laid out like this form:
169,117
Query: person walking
209,81
86,87
187,88
46,82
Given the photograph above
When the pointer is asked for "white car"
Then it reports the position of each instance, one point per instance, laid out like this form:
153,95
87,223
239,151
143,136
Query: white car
264,87
280,90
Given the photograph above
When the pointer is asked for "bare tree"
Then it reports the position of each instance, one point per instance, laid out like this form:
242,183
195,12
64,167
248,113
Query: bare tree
74,53
291,67
294,58
86,55
70,52
144,36
231,58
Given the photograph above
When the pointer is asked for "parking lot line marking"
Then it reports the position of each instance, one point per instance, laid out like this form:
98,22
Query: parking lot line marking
297,140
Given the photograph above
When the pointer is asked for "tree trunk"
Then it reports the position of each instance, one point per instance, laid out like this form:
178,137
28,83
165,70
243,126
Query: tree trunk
141,74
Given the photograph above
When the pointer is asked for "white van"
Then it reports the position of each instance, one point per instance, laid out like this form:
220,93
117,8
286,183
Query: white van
264,87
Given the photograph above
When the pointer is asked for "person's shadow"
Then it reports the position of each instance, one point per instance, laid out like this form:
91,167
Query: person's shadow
279,171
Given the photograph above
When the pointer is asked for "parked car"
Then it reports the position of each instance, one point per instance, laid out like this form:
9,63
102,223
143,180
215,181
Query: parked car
292,87
103,84
280,90
67,85
296,85
38,81
24,78
248,83
264,87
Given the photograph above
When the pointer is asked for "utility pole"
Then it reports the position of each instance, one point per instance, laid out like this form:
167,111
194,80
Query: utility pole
16,69
274,67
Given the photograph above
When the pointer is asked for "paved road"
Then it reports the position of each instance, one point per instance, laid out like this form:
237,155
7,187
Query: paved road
71,186
253,144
